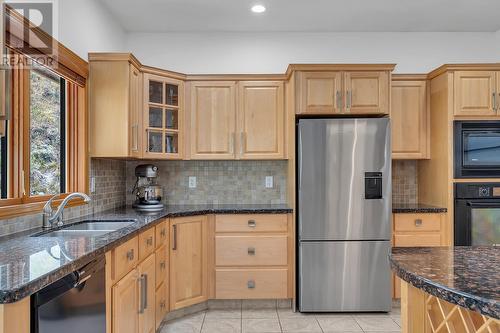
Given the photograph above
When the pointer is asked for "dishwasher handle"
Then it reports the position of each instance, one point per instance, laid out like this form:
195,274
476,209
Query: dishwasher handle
86,272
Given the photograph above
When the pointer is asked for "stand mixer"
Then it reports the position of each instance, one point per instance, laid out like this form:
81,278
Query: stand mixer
148,193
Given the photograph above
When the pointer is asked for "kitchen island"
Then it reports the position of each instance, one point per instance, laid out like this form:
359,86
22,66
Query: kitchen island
448,289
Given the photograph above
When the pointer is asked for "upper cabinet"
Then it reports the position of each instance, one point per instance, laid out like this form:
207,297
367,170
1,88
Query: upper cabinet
115,107
343,92
477,93
222,128
163,105
212,119
410,119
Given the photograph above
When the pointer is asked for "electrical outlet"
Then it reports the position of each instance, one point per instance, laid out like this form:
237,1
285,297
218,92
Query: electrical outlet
92,184
269,181
192,182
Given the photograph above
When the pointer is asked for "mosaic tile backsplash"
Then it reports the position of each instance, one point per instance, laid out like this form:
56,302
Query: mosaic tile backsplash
404,182
218,182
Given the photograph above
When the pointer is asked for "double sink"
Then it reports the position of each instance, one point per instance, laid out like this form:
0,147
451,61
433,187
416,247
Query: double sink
87,228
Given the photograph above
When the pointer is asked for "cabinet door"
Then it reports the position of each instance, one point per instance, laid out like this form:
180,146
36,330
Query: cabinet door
409,120
125,304
213,120
164,98
474,93
366,92
497,99
260,120
320,92
135,112
147,294
188,261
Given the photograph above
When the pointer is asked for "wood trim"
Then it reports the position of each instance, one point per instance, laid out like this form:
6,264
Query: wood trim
338,67
235,77
69,64
211,256
111,56
409,77
463,67
15,317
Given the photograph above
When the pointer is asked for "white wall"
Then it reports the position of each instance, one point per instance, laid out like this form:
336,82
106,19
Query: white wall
272,52
87,26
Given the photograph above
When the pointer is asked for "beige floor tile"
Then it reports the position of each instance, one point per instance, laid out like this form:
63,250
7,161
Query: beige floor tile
338,324
377,323
299,325
182,326
288,313
397,321
260,314
259,304
219,325
223,314
261,326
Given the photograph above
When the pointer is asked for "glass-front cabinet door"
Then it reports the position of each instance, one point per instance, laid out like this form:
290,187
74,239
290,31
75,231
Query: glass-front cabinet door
163,114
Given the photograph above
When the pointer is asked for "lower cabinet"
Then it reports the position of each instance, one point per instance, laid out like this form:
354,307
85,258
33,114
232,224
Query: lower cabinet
147,283
188,261
125,304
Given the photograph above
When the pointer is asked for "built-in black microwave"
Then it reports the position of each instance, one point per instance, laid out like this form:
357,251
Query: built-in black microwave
477,149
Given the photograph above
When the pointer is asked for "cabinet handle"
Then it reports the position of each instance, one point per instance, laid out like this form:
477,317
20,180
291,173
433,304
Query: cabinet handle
251,284
149,241
174,246
339,100
348,96
143,290
242,142
231,142
251,251
162,304
418,222
252,223
135,139
162,265
163,233
130,255
494,100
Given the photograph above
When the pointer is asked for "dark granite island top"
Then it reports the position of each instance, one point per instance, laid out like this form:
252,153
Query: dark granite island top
416,208
28,264
466,276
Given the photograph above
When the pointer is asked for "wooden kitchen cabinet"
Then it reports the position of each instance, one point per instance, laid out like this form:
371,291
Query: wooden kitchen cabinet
344,92
410,119
320,92
115,107
260,120
147,311
188,261
163,117
212,119
475,93
125,304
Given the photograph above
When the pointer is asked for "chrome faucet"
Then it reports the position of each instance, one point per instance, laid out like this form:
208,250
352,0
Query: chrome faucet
49,217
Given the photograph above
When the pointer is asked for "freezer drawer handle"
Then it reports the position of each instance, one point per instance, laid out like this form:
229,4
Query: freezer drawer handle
251,251
418,222
252,223
251,284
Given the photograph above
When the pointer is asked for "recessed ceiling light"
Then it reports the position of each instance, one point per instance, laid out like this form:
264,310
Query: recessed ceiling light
258,9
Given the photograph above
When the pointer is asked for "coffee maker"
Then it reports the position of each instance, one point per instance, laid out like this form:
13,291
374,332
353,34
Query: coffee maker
148,194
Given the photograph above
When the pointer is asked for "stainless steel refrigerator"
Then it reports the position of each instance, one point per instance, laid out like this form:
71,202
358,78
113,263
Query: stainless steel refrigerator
344,215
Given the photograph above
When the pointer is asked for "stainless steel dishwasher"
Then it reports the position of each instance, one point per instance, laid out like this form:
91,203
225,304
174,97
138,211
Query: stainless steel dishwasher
76,303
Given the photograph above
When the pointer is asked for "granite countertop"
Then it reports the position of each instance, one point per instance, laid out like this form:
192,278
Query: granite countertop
466,276
28,264
417,208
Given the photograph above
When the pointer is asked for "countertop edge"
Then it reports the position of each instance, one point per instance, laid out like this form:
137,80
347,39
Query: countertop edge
487,307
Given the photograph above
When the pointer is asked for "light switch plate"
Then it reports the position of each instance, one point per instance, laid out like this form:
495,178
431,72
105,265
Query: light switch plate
269,181
192,182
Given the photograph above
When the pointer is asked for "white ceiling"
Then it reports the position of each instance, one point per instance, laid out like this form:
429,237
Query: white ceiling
307,15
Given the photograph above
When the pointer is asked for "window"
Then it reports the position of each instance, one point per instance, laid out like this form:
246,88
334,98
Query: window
47,132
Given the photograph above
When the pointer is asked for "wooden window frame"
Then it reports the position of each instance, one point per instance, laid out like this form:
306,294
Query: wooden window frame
75,71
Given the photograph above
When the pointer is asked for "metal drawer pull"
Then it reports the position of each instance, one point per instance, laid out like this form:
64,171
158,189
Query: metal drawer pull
143,288
149,241
494,101
162,265
174,246
252,223
163,233
251,251
418,222
251,284
339,100
162,304
130,255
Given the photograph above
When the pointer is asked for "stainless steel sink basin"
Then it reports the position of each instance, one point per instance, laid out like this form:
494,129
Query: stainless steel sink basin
89,228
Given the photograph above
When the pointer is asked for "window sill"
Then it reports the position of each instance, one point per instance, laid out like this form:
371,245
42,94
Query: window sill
18,210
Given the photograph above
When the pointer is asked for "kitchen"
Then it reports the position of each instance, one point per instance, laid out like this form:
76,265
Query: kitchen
265,201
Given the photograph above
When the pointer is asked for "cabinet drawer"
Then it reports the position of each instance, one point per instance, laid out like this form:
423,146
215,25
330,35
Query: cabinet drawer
251,250
423,239
160,305
251,283
146,243
161,234
125,258
417,222
161,265
251,223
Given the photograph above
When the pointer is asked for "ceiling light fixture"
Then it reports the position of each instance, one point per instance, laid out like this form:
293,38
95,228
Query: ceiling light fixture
258,9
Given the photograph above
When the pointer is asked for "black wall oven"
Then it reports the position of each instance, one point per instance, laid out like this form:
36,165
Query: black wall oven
477,214
477,149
